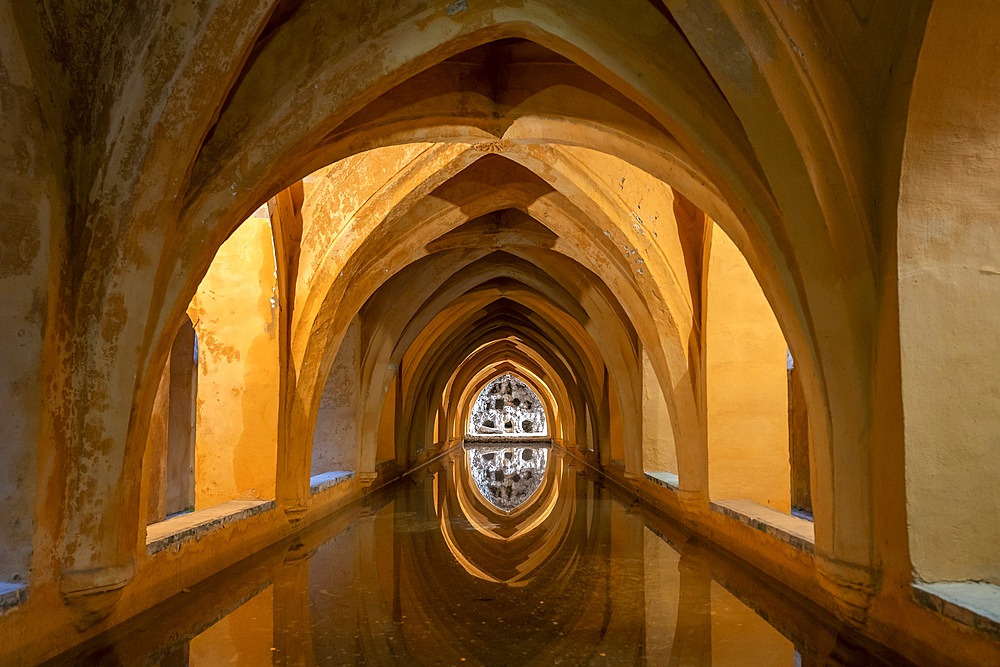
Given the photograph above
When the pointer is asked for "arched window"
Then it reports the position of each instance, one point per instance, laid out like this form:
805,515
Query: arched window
508,407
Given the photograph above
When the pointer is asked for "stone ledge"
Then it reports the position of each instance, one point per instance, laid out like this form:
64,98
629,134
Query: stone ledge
789,529
667,480
12,595
195,525
971,603
328,480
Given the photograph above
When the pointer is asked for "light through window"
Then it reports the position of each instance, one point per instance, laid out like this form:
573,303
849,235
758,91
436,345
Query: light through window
507,407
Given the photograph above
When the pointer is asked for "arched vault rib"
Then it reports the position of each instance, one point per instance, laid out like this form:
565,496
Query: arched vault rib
405,306
341,305
428,379
654,65
492,347
569,402
491,361
561,348
583,248
657,18
264,136
755,206
599,325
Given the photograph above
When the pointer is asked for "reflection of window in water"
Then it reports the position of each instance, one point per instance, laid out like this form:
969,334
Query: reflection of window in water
507,476
507,406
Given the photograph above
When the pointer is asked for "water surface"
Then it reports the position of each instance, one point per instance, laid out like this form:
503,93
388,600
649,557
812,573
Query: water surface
427,572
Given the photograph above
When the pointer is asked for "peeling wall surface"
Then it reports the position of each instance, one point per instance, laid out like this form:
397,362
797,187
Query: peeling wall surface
233,312
32,201
335,440
366,212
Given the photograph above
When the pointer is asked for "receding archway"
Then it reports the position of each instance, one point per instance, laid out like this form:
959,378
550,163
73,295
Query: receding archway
250,150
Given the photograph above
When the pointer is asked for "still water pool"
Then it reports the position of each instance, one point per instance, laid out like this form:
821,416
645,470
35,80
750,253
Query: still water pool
428,572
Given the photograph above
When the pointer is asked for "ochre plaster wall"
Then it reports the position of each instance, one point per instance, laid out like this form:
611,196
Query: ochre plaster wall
168,462
387,426
233,312
949,297
335,440
658,450
746,384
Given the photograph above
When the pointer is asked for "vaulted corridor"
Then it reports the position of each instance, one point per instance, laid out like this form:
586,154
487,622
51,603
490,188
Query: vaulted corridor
586,301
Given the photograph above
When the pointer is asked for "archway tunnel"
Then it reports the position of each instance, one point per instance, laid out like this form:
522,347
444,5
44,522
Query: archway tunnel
360,310
679,247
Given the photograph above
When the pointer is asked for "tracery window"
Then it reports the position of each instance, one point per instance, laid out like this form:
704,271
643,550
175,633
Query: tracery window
507,406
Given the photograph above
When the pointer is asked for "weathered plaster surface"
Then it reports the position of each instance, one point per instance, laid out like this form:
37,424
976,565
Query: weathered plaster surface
949,285
30,203
536,204
233,312
746,385
659,453
335,440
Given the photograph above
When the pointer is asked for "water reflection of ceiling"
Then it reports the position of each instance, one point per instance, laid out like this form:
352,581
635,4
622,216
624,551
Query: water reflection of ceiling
503,547
507,477
507,406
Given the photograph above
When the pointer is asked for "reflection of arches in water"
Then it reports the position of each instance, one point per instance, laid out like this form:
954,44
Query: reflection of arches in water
670,601
505,547
507,477
507,406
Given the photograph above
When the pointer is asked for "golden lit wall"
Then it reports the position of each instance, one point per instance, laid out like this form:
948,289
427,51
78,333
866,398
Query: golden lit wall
746,384
233,312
